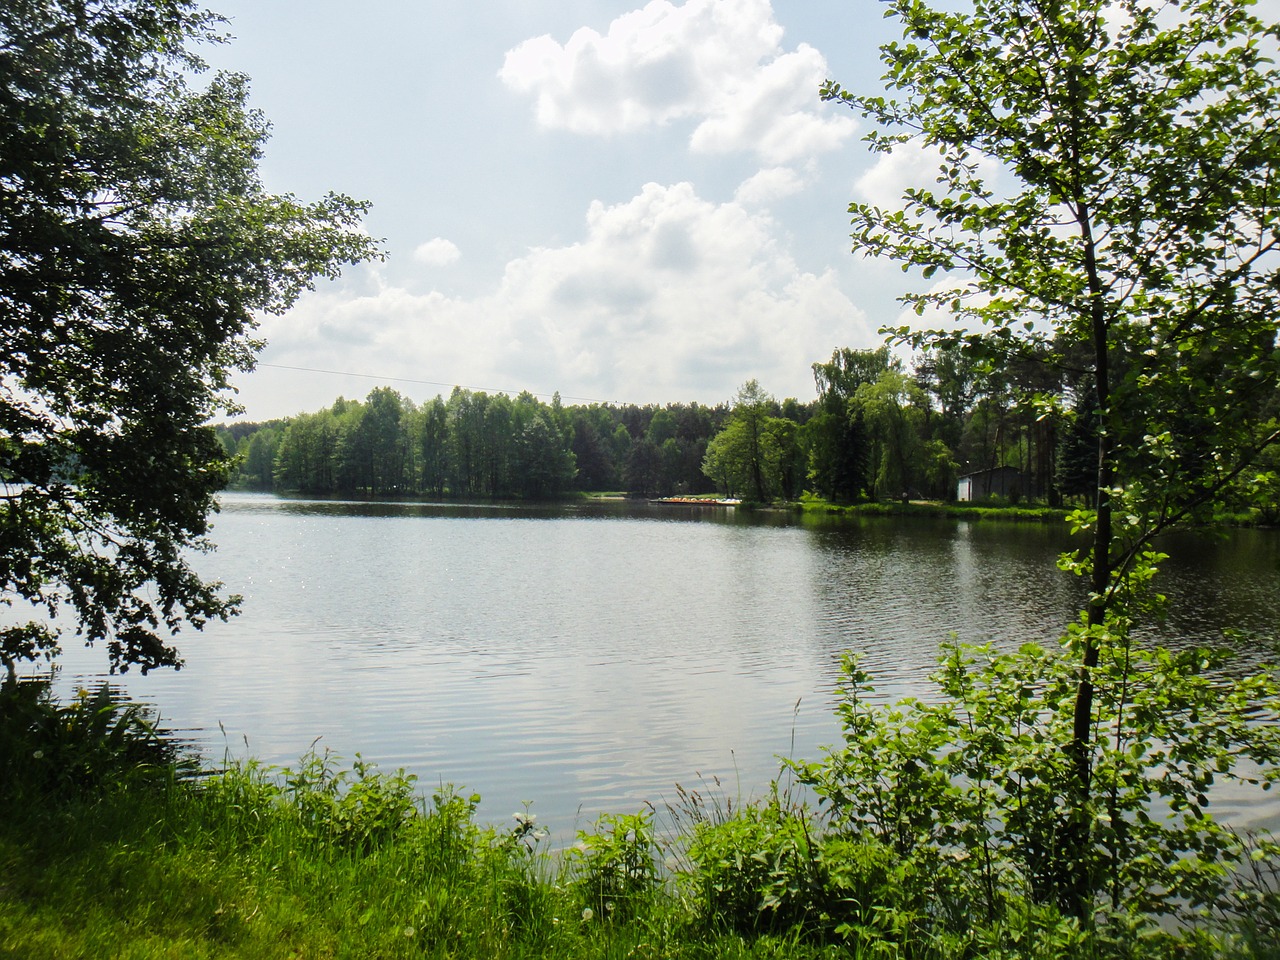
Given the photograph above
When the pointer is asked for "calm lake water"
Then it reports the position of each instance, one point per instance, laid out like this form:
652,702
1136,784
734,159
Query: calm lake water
588,658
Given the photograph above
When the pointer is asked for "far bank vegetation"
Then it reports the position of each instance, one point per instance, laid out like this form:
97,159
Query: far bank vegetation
880,428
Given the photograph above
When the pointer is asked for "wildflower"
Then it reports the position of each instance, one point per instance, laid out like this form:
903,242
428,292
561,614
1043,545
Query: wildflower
608,907
409,932
587,914
39,755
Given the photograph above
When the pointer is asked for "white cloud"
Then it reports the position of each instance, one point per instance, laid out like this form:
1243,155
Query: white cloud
768,185
719,63
667,297
910,165
437,252
907,165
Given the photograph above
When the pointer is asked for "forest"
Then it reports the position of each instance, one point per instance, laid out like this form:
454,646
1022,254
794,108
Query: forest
880,427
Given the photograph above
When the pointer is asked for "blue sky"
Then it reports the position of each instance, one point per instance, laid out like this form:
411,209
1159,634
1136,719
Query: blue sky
618,201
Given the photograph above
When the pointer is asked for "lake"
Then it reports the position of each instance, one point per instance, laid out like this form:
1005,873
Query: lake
587,658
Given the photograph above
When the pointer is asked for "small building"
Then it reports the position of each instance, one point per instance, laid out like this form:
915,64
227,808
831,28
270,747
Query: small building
984,484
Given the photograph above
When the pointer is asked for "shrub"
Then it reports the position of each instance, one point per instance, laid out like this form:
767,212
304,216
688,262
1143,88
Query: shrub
970,792
357,809
614,868
97,742
757,868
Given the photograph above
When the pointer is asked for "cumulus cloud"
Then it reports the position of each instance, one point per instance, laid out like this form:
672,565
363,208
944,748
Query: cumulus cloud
718,63
437,252
907,165
910,165
768,185
666,297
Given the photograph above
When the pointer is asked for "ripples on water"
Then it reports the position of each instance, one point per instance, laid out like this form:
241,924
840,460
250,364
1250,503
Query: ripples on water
588,658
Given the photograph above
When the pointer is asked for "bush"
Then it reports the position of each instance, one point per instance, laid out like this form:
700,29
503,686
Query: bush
97,742
614,867
357,809
970,793
757,868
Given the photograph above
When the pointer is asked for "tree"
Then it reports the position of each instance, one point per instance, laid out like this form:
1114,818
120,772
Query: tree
748,455
466,418
836,439
891,407
951,377
1107,179
838,450
642,471
1077,467
545,465
592,452
750,418
259,457
662,427
379,441
848,369
433,442
137,245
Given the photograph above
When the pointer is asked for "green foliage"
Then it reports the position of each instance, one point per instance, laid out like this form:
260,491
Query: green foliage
475,445
325,861
1140,247
972,791
97,742
357,809
614,866
1252,907
137,248
891,408
838,453
758,868
1257,490
755,455
543,460
1136,248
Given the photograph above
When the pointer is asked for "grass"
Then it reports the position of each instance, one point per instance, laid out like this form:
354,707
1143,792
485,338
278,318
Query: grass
233,867
110,847
935,508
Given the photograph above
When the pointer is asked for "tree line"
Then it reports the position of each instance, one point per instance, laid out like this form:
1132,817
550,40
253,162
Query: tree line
881,427
476,444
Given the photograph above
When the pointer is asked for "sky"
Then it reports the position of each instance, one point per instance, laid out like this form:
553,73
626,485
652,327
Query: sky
621,202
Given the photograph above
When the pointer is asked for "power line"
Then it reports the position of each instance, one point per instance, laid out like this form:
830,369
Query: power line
426,383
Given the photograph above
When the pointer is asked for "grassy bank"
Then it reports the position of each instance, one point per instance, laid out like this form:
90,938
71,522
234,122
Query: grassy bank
111,846
327,862
934,508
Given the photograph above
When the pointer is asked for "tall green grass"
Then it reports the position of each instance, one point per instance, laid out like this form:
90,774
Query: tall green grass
126,854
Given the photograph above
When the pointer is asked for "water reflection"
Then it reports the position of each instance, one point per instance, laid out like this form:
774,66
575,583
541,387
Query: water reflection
589,657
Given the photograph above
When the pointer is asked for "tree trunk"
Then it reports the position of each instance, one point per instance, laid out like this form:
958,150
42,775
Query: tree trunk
1080,884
